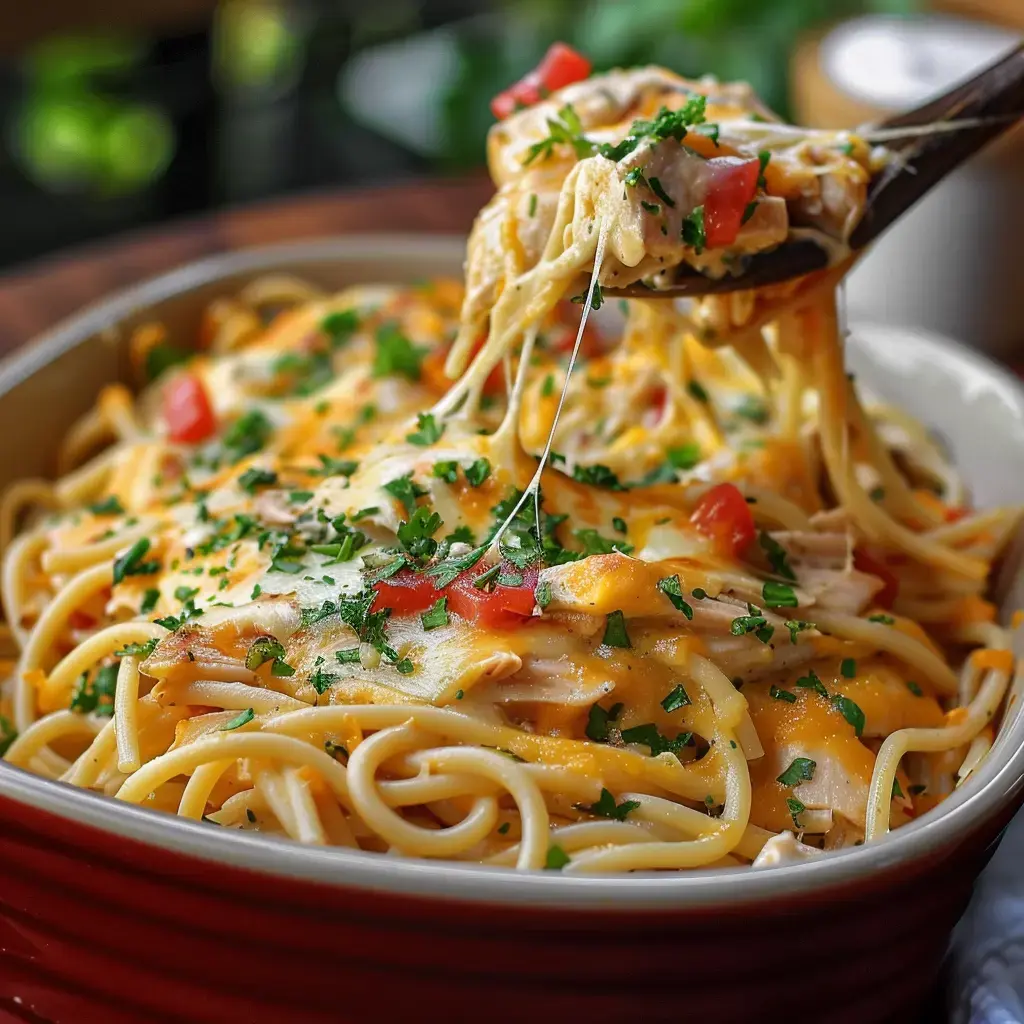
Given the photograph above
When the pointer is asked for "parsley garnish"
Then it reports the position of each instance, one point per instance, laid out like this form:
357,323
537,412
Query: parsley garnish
660,192
446,571
175,622
648,735
778,595
330,466
777,557
784,695
753,409
686,456
796,808
619,524
812,682
606,807
696,389
885,620
8,734
797,626
693,230
596,299
417,535
248,434
677,698
542,595
448,471
556,859
800,770
139,650
162,357
131,564
97,695
670,587
749,212
340,326
754,623
594,544
108,507
254,477
436,615
264,649
531,208
850,711
668,124
477,472
243,718
149,600
406,491
914,688
615,634
565,129
547,389
320,680
429,431
396,354
763,157
600,721
597,476
848,668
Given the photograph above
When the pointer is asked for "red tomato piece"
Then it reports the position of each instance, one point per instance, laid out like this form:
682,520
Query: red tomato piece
732,184
187,410
504,607
724,515
561,66
864,561
405,593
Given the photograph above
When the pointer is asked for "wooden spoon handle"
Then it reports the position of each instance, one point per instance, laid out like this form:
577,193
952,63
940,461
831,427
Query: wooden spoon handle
994,98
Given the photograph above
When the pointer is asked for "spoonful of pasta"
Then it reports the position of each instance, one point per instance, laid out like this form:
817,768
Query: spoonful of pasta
912,152
696,187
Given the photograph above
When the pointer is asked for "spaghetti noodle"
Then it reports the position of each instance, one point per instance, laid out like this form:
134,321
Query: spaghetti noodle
653,594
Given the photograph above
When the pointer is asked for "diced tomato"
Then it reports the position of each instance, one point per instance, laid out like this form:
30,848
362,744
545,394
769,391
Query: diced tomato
954,513
405,593
432,371
187,410
561,66
724,515
502,607
732,184
864,561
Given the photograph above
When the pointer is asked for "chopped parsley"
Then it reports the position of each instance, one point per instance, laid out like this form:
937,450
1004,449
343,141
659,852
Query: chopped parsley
801,769
547,389
330,466
596,298
670,587
149,599
696,390
108,507
542,595
647,735
763,157
784,695
396,355
850,711
597,476
797,626
254,477
897,792
615,634
320,680
619,524
137,650
340,326
677,698
531,208
812,682
174,622
565,129
777,557
914,688
749,212
796,808
131,562
779,595
446,571
556,859
264,649
659,191
447,470
693,230
8,734
885,620
406,491
668,124
600,720
243,718
248,434
162,357
686,456
754,623
754,409
436,615
594,544
477,472
606,807
848,668
96,695
428,432
417,534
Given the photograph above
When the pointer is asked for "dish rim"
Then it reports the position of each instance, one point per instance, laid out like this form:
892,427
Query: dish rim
987,793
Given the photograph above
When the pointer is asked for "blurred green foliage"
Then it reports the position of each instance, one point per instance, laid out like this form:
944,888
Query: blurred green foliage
733,39
74,133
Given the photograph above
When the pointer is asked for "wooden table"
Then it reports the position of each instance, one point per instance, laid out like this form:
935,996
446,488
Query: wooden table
37,297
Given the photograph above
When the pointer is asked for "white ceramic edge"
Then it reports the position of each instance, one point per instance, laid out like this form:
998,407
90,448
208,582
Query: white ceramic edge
983,796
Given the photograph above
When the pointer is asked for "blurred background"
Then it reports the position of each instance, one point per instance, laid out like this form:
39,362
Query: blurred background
118,114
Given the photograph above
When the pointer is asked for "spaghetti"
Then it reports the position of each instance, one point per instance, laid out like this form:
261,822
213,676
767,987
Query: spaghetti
645,595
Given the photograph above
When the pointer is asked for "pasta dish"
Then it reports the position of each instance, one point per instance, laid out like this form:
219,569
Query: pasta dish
511,572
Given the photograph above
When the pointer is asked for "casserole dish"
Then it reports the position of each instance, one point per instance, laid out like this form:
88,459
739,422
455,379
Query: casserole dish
109,912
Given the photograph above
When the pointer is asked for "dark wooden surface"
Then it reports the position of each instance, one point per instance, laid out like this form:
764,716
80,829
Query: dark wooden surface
36,297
